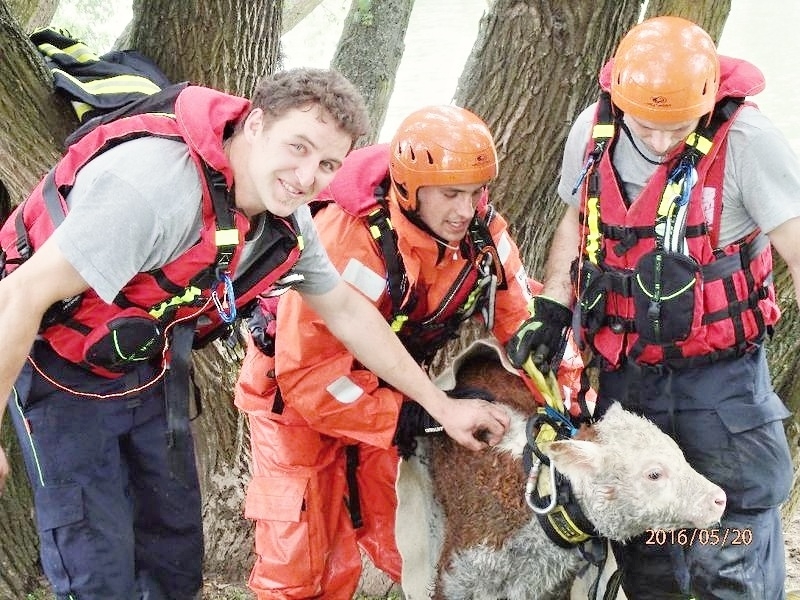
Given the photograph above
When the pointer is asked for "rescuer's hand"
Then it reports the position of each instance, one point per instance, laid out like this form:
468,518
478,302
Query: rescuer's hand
543,336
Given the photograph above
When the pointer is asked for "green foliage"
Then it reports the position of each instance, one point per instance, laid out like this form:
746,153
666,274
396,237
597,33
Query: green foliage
97,23
364,8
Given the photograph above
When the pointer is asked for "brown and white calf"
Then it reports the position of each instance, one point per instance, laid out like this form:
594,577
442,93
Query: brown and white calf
484,542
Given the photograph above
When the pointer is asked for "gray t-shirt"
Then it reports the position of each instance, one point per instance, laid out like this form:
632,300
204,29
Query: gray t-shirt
137,207
761,186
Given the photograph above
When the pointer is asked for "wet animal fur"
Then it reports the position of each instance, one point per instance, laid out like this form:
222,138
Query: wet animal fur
493,545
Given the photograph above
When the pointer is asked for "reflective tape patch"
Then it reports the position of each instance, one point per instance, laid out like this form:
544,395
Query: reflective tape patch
504,247
344,390
521,278
364,279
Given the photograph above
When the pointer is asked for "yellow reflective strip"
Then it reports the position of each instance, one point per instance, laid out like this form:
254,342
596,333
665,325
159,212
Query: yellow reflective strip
376,233
301,243
593,235
190,294
81,108
121,84
671,191
703,144
398,322
124,84
49,49
226,237
565,526
603,130
81,52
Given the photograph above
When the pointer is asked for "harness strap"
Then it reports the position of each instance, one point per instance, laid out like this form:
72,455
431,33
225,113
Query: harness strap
353,496
177,381
383,232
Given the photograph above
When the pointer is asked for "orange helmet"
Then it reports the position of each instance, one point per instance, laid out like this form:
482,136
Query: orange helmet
665,70
440,145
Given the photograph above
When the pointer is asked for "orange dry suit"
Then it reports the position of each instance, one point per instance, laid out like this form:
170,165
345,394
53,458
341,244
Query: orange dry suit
652,283
328,413
108,338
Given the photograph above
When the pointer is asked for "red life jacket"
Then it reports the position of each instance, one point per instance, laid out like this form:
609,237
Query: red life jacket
361,188
108,338
652,284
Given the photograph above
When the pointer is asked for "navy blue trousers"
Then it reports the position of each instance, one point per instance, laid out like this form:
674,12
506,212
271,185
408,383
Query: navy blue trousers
728,421
116,520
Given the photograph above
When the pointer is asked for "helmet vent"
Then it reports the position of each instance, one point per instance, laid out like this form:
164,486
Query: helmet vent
430,158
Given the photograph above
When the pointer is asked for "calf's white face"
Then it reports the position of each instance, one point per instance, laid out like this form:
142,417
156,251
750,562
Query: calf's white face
630,477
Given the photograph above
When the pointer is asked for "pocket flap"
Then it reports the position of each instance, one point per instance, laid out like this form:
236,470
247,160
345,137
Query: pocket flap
275,498
59,505
739,417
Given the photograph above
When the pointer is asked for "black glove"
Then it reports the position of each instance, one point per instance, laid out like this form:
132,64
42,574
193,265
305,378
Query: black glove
543,336
262,329
413,421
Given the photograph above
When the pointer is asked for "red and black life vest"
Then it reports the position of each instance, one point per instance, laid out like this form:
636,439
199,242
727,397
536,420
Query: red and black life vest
361,188
107,338
652,284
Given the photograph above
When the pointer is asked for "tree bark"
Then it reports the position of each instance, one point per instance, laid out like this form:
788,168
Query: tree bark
529,101
295,11
709,14
32,14
201,41
41,120
369,53
222,445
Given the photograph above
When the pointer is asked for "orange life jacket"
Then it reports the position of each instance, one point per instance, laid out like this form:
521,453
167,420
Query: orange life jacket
361,187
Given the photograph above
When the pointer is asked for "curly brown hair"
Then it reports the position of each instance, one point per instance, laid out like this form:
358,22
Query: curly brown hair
302,87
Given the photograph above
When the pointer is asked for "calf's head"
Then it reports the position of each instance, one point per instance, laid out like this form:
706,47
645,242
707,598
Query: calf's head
628,477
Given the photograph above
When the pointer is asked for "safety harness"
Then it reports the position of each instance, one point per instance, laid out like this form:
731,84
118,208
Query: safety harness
423,338
360,189
547,492
196,289
663,293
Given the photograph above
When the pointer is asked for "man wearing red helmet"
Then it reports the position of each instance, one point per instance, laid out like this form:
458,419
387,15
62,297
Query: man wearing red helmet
677,190
409,225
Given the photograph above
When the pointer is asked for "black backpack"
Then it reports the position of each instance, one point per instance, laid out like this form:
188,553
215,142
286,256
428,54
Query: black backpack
100,88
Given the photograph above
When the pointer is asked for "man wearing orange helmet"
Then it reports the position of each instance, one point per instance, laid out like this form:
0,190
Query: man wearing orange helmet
409,225
677,189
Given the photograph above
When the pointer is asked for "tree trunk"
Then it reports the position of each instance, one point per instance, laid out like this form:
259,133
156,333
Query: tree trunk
41,121
709,14
529,102
295,11
369,53
32,14
201,40
222,444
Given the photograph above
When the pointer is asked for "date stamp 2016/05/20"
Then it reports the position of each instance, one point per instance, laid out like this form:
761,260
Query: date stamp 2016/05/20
705,537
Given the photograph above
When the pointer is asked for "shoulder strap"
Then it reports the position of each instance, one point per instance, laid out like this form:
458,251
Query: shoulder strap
382,230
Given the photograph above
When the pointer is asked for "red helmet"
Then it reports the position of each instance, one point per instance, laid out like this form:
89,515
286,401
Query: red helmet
665,70
440,145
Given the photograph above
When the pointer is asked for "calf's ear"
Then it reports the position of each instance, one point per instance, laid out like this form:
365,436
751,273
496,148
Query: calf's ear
575,458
